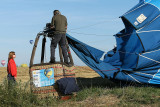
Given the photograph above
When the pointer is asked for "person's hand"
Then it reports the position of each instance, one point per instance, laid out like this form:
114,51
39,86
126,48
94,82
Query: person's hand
15,78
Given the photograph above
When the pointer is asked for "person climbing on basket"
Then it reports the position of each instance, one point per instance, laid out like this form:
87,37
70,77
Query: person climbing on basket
59,23
11,69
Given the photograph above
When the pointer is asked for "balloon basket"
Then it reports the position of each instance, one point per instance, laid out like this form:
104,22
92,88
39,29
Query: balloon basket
60,71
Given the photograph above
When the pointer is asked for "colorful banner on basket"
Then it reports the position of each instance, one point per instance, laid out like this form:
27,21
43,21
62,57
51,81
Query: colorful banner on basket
43,77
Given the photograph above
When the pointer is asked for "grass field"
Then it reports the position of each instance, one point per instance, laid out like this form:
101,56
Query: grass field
95,92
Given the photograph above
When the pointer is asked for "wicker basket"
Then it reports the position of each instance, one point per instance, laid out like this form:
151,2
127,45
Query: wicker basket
60,71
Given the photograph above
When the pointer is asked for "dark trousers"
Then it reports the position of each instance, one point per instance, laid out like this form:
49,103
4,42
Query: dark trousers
61,39
11,81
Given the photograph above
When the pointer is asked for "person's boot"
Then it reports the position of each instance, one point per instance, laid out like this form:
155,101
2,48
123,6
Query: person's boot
68,64
52,61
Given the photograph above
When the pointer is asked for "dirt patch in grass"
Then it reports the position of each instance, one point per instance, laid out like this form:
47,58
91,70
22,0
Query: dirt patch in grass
101,101
109,100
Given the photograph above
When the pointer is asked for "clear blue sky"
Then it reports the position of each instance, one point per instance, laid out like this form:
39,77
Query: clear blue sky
21,20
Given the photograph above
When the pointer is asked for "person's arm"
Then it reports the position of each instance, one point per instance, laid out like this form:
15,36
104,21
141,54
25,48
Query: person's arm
13,69
66,24
52,22
8,67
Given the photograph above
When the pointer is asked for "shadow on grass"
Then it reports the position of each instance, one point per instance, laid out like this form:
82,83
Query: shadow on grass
106,83
95,82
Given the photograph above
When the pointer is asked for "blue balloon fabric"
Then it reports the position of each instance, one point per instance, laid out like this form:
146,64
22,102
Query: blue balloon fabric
137,55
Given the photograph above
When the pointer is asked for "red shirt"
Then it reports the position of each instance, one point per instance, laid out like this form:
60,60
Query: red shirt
11,68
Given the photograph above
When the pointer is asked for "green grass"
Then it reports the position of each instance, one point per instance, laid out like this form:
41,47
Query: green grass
94,92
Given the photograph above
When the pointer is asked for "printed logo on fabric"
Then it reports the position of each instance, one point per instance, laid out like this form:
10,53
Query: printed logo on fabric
141,18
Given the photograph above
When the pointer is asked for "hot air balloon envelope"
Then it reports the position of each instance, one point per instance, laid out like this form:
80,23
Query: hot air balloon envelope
137,55
23,65
3,62
31,41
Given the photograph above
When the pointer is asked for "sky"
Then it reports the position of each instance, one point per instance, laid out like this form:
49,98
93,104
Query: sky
93,22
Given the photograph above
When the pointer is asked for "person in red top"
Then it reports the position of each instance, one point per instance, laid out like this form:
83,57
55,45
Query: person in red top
11,67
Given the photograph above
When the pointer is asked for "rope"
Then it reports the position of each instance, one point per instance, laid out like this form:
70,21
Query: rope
88,34
116,19
102,35
113,34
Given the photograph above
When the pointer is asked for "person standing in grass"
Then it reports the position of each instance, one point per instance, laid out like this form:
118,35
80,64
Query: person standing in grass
11,68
